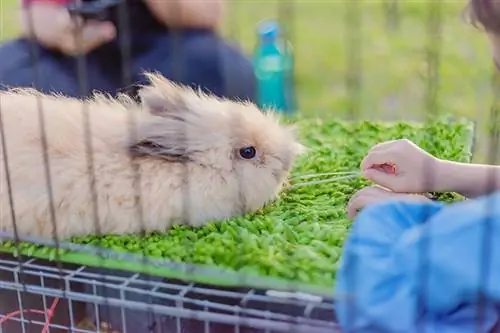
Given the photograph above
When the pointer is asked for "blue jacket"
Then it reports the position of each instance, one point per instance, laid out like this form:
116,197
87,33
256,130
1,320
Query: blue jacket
422,267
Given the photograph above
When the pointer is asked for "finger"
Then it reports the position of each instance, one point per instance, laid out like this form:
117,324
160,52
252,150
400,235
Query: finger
378,158
374,190
90,36
382,178
363,196
359,203
97,33
353,199
372,195
76,21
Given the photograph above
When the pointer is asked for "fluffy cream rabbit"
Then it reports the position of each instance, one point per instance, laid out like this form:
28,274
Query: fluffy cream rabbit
199,158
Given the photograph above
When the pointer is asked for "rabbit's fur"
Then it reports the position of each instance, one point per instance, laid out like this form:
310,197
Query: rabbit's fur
186,150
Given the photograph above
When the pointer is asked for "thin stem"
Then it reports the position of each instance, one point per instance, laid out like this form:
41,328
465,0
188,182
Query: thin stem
337,173
325,181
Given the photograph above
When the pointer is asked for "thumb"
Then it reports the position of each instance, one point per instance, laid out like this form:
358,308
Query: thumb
379,177
89,36
97,33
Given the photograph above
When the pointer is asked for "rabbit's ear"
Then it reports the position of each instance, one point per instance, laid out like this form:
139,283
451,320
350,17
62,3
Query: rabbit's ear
158,104
162,97
153,147
153,141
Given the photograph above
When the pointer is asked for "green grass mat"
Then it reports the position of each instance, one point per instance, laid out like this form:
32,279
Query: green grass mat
296,239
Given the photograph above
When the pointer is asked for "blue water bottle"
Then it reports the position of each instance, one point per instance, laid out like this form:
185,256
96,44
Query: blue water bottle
273,63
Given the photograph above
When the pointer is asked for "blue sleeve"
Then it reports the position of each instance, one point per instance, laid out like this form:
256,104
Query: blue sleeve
411,267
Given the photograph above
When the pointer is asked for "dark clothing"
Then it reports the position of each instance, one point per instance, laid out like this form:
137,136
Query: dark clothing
198,58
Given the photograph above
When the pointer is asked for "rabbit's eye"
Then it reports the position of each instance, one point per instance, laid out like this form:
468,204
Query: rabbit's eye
248,152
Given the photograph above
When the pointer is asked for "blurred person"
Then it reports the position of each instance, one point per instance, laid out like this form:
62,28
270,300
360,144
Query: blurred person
177,38
485,14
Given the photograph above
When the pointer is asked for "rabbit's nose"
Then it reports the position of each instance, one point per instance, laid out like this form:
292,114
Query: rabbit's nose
280,174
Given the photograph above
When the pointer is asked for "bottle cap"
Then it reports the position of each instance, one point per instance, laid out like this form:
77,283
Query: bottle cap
269,30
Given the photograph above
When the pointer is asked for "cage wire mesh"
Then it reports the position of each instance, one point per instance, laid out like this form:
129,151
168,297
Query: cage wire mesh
39,295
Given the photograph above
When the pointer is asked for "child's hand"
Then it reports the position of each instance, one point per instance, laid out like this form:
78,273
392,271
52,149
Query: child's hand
400,166
52,26
375,194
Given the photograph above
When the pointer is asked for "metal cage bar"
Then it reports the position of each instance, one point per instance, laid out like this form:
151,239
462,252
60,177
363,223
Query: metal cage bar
185,306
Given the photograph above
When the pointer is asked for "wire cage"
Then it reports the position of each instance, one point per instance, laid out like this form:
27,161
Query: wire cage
131,302
59,286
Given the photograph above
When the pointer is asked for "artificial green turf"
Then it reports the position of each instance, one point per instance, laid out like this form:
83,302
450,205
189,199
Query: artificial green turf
298,237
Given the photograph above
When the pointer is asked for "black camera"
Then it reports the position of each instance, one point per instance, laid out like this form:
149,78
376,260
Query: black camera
101,10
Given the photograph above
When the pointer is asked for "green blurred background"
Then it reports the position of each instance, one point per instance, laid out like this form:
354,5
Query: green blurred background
392,61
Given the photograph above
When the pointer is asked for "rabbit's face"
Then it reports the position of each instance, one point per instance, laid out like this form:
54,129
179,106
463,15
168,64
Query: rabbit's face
262,154
249,149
